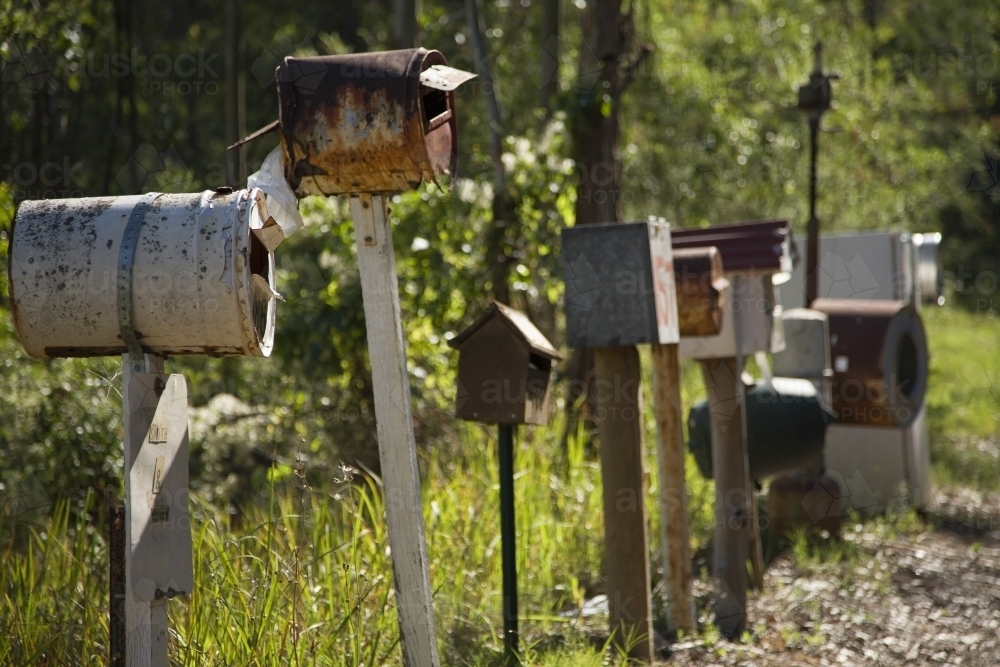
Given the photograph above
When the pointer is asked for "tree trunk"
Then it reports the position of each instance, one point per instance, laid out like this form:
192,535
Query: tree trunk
504,218
404,24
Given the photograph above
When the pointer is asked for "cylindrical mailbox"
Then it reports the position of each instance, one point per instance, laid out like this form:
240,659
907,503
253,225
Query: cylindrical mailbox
202,277
880,360
786,428
367,122
927,267
699,279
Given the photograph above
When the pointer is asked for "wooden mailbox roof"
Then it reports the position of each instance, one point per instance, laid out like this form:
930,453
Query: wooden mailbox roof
517,322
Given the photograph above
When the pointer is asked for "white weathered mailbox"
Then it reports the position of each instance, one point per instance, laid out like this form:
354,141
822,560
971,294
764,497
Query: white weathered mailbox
146,276
184,273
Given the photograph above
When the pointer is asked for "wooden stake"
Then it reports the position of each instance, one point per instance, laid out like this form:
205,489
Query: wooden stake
146,623
674,536
732,495
626,560
394,421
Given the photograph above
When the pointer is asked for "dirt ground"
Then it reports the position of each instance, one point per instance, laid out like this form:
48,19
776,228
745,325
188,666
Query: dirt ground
909,597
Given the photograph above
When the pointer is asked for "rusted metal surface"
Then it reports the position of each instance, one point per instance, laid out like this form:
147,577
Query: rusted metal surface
699,279
765,245
880,360
367,122
193,284
504,369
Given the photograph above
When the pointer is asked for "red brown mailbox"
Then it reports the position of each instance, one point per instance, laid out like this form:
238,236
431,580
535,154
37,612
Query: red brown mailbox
367,122
504,369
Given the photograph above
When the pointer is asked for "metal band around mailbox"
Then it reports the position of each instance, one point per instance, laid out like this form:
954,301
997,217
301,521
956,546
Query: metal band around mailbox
126,258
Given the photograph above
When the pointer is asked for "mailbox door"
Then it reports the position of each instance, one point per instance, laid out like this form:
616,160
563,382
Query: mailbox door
160,527
664,285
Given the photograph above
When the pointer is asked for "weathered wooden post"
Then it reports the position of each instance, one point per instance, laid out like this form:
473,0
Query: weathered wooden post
756,257
367,126
146,276
504,378
699,283
619,293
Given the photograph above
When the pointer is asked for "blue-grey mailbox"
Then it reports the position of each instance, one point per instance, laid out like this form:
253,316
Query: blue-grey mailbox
619,284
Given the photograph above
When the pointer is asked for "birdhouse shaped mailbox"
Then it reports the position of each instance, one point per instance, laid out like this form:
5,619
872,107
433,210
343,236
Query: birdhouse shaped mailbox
504,369
619,284
756,257
157,274
367,122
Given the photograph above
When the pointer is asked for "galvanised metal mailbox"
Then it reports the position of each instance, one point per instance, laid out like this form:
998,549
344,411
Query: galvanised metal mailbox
368,122
620,288
504,369
172,273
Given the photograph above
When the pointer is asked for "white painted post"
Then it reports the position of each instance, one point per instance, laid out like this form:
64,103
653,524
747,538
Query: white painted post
146,624
157,544
394,420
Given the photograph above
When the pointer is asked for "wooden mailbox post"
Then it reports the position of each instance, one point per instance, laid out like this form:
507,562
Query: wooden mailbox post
620,292
367,126
756,257
504,377
146,276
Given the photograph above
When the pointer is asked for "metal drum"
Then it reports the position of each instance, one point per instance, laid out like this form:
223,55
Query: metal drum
786,427
201,275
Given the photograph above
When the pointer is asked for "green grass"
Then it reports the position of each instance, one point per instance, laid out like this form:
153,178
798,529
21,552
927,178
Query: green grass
306,579
963,397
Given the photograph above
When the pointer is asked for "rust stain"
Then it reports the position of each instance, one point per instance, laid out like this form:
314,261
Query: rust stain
699,280
364,123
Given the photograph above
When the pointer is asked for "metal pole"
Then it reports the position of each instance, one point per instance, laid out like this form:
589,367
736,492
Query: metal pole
507,542
812,239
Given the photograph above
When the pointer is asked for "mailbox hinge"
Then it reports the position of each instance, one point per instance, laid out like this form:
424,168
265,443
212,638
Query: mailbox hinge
126,258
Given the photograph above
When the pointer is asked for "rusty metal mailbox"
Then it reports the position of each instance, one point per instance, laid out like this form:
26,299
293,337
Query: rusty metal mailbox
368,122
504,369
700,282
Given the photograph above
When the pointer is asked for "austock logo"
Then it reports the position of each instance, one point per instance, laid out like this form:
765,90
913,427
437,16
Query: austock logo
28,69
